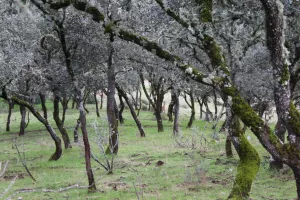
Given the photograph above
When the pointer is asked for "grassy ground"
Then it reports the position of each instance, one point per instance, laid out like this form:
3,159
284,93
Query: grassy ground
202,172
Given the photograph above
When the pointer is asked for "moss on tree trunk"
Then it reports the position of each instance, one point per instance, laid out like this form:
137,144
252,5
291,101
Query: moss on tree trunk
248,165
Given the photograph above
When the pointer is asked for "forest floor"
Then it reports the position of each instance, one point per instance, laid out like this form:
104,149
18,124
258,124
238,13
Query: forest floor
192,168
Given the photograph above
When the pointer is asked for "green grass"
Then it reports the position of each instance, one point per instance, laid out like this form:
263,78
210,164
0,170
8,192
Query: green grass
200,173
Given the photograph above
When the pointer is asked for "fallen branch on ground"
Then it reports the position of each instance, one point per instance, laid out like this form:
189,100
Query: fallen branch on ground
4,169
12,182
76,186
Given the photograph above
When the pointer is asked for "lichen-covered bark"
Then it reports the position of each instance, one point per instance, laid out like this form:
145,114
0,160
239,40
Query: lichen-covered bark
248,165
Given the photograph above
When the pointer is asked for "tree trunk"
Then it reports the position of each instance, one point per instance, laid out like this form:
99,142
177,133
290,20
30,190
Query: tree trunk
58,151
101,100
208,113
140,102
73,103
215,104
137,96
111,114
201,107
10,108
176,114
160,127
122,106
64,103
85,97
296,171
192,107
248,165
171,106
87,148
228,148
280,130
59,123
43,102
23,120
76,131
132,111
96,102
156,104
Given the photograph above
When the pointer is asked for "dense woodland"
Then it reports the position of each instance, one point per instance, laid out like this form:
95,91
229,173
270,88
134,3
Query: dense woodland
234,61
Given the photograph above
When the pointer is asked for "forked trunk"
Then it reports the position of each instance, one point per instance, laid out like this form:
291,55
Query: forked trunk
59,123
132,111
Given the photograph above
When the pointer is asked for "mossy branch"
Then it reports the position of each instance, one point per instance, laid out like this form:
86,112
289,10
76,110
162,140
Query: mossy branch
205,12
172,14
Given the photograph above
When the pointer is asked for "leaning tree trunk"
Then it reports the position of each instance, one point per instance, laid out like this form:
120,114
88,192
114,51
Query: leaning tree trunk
58,150
96,103
176,114
87,148
23,120
10,108
132,111
111,114
43,102
59,123
248,165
